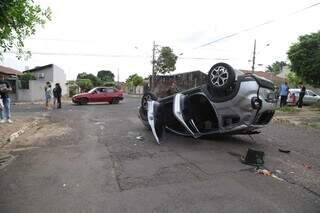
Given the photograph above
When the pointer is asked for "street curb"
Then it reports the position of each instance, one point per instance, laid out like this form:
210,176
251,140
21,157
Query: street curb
16,134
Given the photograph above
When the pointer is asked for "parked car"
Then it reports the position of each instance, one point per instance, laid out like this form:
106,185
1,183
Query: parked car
309,98
229,103
99,94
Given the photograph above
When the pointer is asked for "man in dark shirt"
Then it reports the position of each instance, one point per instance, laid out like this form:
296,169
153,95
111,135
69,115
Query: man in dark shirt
301,95
57,91
5,88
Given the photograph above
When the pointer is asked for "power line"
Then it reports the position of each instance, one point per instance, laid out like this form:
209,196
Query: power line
85,54
112,55
257,26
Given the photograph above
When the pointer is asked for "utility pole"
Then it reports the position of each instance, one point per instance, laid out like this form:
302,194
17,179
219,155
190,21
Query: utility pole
254,56
153,63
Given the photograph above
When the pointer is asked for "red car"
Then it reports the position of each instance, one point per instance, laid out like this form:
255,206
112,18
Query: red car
99,94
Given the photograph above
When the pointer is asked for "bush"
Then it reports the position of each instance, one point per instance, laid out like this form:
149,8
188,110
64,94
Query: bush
24,80
84,84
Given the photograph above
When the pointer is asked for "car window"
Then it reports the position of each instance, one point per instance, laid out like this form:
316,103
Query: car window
99,90
104,90
110,90
311,93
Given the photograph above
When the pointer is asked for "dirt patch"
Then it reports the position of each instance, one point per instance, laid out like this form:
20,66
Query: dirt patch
41,135
7,129
307,116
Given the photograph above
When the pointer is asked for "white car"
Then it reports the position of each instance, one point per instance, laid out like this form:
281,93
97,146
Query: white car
309,98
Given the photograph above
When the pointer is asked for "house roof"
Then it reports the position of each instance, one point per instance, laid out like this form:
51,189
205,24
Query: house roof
9,71
186,73
266,75
39,68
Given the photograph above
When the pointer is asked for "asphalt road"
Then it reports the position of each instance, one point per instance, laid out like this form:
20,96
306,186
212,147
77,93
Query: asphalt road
89,160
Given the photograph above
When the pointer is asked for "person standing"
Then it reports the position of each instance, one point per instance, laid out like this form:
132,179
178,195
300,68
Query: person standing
57,91
1,108
5,88
284,91
301,94
48,95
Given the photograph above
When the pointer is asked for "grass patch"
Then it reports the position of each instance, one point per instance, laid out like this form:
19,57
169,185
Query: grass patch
315,125
290,109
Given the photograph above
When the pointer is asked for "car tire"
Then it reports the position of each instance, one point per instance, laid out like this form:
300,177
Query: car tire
83,101
148,96
221,77
115,101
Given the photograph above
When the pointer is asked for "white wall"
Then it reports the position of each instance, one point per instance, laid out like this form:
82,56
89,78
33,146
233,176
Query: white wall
139,90
59,76
34,93
54,74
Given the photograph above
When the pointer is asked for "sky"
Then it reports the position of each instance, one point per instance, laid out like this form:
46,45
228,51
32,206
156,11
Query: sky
117,35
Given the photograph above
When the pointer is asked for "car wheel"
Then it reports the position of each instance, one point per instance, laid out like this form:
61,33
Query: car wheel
83,101
148,96
115,101
221,76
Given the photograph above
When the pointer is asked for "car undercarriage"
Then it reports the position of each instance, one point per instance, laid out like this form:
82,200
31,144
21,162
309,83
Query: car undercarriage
227,104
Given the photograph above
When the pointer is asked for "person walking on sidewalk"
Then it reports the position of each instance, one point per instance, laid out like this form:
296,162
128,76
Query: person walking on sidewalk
5,88
48,95
57,91
284,91
301,95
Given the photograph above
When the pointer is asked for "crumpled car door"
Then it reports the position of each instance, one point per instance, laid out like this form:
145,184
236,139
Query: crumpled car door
154,119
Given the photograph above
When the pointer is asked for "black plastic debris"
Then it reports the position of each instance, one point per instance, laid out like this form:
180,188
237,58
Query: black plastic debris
284,151
253,158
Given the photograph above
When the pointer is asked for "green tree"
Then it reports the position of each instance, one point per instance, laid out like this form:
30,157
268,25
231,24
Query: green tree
94,80
106,75
304,56
84,84
293,79
137,80
166,61
276,67
18,21
129,79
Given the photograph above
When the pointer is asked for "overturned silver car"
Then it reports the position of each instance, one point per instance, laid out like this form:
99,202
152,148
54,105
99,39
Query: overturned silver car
229,103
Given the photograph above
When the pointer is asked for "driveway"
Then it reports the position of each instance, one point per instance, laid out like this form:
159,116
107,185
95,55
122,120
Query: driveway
88,159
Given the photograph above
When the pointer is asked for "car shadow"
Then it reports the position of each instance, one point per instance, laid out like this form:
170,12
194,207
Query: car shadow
235,146
96,104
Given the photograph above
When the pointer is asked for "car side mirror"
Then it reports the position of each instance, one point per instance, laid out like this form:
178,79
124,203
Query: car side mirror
94,92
